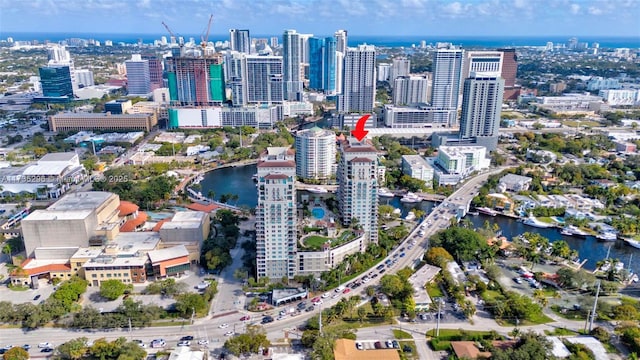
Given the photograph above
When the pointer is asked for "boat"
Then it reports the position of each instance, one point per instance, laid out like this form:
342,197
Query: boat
572,230
532,221
474,213
198,179
411,198
410,216
634,243
486,211
384,192
607,236
317,190
255,177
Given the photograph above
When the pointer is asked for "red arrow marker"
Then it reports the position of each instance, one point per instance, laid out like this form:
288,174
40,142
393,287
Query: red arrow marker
359,133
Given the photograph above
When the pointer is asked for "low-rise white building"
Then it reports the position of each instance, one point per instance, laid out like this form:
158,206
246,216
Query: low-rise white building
316,262
621,97
454,163
513,182
418,168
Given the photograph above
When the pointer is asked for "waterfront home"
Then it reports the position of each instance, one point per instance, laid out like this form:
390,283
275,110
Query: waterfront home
515,183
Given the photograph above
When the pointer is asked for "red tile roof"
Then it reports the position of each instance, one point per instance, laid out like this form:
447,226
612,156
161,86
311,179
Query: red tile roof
127,208
157,226
132,224
278,163
361,159
203,207
39,269
276,177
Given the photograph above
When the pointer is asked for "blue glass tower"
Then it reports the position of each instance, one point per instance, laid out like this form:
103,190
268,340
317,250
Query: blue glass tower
316,59
329,66
322,64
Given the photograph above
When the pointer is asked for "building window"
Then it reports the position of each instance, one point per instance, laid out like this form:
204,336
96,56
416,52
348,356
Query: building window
94,276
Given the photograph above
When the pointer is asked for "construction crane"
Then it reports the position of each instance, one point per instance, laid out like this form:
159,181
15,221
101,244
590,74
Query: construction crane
205,36
181,42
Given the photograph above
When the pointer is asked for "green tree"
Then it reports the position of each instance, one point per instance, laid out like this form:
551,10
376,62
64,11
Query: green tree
362,314
187,303
249,342
113,289
16,353
438,256
73,349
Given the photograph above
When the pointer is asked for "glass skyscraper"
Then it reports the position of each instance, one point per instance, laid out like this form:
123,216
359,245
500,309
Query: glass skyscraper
56,81
322,64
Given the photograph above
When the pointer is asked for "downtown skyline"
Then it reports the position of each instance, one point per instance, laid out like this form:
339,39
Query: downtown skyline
517,18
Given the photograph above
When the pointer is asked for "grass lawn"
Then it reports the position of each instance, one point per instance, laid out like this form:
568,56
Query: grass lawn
314,241
535,320
400,334
434,290
574,123
413,354
561,332
452,333
546,219
568,313
489,295
18,288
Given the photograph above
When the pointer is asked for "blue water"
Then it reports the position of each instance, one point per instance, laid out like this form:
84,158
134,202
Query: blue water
379,40
318,213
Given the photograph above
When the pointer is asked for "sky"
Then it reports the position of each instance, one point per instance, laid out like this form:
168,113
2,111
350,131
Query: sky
613,18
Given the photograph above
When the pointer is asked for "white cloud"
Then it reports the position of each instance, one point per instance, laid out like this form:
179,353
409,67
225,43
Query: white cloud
520,4
454,8
145,4
594,10
575,9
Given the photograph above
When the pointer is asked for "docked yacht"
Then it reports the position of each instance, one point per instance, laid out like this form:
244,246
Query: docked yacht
384,192
573,230
607,236
634,243
411,198
532,221
486,211
317,190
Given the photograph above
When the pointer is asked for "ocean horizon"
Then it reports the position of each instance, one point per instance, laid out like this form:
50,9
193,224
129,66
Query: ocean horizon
378,40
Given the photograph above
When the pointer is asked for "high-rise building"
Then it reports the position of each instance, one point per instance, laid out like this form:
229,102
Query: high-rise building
447,75
59,56
315,153
358,187
264,79
399,67
486,62
481,106
155,70
84,77
384,70
196,81
292,59
138,78
255,79
410,90
322,64
359,82
56,81
276,220
341,41
239,40
509,73
273,42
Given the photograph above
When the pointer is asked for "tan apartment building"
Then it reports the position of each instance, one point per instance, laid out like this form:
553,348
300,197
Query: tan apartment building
102,121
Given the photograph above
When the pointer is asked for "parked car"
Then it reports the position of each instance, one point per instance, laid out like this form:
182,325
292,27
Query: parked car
37,297
203,342
47,350
359,346
186,338
346,291
26,346
339,288
396,344
325,295
245,318
267,319
377,345
223,326
389,344
44,345
229,333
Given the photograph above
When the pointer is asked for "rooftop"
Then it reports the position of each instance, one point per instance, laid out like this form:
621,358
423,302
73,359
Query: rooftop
459,150
33,267
418,281
60,156
130,243
468,350
276,163
174,252
109,261
353,145
89,200
192,216
513,178
48,215
87,253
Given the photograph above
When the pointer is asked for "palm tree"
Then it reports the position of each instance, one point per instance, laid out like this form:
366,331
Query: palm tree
211,194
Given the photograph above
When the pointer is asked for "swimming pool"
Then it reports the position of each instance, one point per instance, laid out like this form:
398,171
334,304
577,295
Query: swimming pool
318,213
